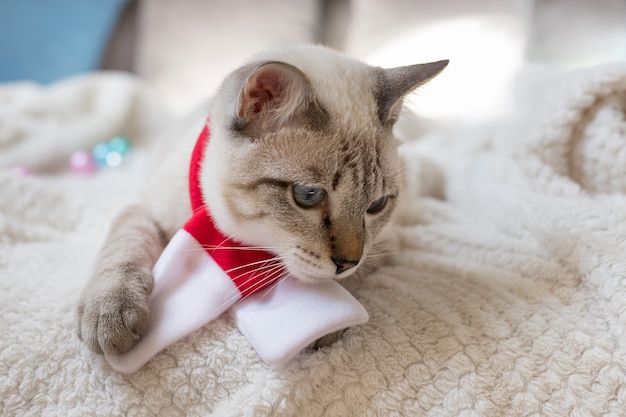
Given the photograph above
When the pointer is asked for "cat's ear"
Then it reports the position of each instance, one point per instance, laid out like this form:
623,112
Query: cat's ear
395,83
274,95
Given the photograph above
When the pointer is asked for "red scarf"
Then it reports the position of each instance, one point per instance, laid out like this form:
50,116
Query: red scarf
241,265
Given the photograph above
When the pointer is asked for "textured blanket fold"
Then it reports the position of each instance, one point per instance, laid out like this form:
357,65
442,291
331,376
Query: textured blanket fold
506,297
578,129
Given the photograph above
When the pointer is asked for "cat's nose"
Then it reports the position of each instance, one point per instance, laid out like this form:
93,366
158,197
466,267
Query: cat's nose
344,264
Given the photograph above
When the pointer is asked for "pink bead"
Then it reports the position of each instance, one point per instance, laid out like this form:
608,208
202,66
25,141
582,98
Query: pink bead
81,162
22,171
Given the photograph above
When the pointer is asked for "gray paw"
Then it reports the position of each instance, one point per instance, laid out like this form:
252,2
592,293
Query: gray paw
113,312
328,340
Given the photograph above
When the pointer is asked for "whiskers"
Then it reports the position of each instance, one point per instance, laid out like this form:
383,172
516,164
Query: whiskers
265,272
223,246
279,279
399,172
203,206
378,256
263,265
256,248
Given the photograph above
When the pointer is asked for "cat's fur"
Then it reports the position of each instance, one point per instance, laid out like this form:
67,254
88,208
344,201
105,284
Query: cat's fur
294,115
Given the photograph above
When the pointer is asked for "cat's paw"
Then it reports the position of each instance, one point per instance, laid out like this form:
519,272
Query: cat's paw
113,312
328,340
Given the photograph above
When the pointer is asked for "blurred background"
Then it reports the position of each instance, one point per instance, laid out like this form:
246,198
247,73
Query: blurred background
183,48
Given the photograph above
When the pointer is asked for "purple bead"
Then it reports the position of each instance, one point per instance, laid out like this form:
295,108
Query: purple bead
81,162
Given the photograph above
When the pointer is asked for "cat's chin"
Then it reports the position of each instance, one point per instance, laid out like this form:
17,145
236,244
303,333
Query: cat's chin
312,278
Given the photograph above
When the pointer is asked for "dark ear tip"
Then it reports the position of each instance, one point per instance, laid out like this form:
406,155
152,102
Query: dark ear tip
432,69
440,65
395,83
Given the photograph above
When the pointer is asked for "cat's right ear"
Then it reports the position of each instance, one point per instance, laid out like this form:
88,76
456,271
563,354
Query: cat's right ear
275,95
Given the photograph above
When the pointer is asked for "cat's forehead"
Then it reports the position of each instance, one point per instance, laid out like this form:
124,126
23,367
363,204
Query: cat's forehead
349,99
329,157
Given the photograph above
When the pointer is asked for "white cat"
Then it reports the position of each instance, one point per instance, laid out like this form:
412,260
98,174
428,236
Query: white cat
301,161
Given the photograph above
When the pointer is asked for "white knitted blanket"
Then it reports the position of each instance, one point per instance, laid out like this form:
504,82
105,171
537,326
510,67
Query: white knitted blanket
508,297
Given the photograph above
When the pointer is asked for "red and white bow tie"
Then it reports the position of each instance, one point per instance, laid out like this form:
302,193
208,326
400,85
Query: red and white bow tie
195,282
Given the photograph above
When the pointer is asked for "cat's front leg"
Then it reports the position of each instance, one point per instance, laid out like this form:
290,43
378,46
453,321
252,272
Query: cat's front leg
113,311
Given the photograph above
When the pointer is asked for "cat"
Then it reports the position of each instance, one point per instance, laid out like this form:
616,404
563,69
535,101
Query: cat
302,161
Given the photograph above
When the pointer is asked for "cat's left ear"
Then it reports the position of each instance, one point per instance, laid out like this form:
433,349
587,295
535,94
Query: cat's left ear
395,83
274,95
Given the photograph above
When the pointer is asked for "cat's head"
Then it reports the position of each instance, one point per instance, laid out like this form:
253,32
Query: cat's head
302,159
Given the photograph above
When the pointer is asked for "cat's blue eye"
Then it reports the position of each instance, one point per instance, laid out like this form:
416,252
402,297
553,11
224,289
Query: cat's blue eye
378,205
306,196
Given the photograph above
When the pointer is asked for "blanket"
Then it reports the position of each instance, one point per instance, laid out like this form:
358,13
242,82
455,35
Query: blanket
507,296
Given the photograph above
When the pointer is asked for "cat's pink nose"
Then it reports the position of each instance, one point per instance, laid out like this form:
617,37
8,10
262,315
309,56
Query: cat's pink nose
344,264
